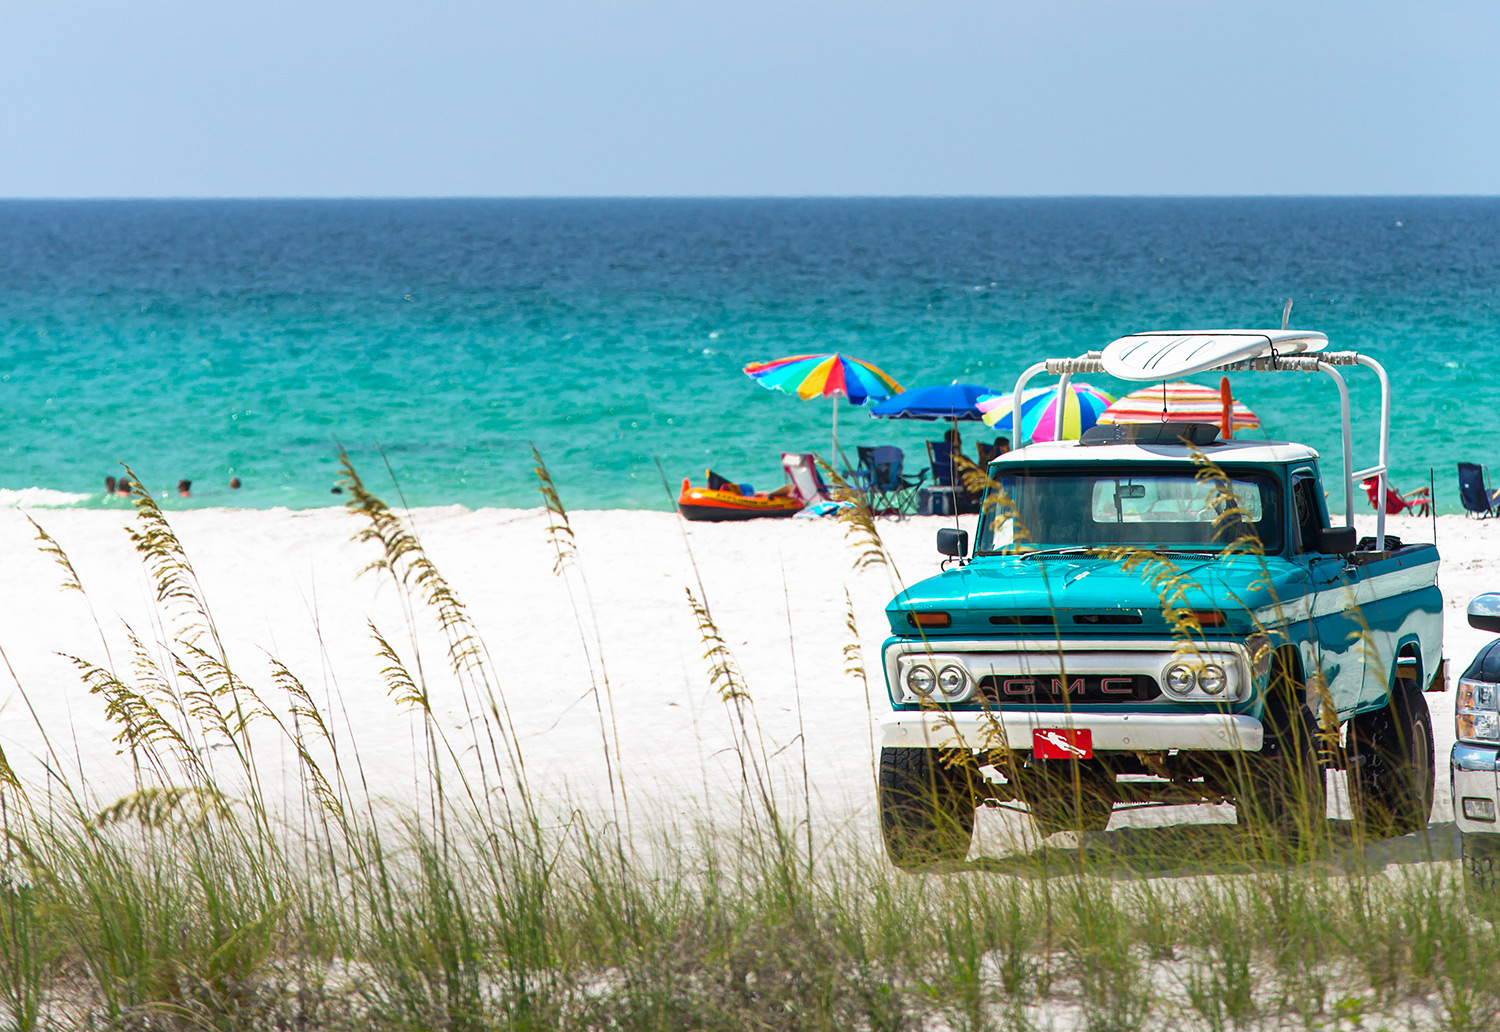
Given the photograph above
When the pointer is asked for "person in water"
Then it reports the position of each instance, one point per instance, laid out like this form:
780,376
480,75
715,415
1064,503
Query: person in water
234,483
109,485
122,487
185,488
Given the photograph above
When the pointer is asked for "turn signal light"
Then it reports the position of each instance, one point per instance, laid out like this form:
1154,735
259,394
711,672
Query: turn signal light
929,619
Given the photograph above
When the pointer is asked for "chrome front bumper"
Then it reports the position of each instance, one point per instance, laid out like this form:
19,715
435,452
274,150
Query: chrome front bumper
1112,732
1472,770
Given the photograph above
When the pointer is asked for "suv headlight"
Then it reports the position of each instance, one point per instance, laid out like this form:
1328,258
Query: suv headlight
1477,712
953,681
1211,679
1180,679
921,680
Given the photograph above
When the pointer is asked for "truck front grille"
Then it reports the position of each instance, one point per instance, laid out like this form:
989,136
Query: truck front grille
1081,688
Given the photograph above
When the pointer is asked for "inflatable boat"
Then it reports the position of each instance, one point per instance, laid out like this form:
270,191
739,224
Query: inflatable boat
723,500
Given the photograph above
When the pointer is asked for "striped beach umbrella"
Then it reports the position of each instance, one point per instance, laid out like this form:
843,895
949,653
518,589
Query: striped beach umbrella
825,376
1179,402
1081,409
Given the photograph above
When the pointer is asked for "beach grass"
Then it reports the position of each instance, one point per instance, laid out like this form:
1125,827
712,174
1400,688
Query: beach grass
203,900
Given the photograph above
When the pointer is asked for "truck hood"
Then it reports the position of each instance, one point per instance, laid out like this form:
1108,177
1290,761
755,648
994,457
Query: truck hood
1081,594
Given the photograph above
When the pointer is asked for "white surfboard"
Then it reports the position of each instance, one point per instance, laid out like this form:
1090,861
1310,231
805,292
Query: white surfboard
1171,355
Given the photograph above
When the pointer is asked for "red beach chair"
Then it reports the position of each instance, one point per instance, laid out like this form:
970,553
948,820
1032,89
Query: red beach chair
1418,501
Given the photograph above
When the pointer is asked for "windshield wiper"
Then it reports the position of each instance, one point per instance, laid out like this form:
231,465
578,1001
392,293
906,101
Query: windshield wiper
1066,550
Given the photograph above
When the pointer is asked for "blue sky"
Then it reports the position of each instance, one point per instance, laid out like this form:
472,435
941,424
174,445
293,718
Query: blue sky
157,98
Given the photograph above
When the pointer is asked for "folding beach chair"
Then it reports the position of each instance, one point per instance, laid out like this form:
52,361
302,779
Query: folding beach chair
882,481
940,458
802,473
1395,502
948,473
1477,498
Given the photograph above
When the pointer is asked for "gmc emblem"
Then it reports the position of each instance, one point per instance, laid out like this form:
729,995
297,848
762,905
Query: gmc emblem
1031,686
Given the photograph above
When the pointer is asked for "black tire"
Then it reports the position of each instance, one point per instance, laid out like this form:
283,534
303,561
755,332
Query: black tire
1065,795
1481,855
1393,764
1280,791
926,808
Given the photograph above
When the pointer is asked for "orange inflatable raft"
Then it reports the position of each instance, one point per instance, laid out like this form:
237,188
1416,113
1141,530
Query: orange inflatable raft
727,502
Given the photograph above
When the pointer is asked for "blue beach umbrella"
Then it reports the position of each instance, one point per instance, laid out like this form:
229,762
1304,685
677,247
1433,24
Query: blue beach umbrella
939,401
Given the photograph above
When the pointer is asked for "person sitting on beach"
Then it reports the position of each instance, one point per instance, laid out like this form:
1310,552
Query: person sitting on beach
185,488
988,453
718,483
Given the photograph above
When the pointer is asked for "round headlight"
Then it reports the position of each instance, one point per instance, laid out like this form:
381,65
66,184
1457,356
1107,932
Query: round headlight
921,680
953,680
1211,679
1179,679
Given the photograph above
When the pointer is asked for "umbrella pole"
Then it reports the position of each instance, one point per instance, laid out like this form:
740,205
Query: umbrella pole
834,458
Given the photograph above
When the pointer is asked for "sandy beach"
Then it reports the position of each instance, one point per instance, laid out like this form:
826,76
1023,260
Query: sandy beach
289,584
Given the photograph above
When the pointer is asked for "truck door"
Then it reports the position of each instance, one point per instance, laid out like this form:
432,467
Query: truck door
1335,621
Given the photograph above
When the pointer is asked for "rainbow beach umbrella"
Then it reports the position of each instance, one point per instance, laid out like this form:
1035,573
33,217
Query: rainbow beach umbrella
1081,410
825,376
1179,402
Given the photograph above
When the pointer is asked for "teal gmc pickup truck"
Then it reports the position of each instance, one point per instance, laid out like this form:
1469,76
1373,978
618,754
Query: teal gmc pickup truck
1154,614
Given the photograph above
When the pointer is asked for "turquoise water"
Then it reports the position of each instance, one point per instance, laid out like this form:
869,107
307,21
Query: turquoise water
205,340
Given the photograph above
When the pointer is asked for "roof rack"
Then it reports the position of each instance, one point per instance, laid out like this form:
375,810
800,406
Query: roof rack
1165,355
1196,434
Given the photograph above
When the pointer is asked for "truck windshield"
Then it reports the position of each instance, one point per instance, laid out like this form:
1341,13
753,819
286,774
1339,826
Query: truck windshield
1160,510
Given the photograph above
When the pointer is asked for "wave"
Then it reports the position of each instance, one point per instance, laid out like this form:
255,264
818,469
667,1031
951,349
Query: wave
38,497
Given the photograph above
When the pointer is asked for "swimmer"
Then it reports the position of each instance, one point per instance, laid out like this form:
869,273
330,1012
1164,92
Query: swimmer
185,488
109,485
234,483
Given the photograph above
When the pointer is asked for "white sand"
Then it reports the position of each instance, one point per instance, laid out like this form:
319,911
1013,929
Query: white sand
286,583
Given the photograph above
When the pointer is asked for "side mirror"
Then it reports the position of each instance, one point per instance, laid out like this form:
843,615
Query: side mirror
1335,540
953,542
1484,612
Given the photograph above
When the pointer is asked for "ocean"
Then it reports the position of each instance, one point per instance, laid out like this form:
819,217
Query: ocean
437,340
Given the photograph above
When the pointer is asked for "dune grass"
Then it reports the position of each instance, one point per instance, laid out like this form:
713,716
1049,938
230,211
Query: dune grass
197,901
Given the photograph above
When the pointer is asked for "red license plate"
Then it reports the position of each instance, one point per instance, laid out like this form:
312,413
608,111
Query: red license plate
1062,743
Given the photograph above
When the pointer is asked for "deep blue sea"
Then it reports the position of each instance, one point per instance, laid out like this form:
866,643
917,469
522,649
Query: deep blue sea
211,339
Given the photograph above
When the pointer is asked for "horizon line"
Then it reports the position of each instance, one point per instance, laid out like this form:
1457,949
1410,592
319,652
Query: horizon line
95,198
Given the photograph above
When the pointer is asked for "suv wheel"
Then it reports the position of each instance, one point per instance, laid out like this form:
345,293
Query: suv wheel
1391,773
926,808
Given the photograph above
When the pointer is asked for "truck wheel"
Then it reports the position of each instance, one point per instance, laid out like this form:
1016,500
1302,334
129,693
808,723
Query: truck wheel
1058,803
926,808
1280,790
1481,855
1391,776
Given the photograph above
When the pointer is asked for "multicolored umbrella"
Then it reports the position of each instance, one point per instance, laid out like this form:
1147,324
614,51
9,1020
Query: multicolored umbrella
1081,410
825,376
1179,402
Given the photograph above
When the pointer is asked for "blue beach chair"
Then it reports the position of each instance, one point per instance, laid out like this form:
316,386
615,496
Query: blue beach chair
1478,499
949,475
879,475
